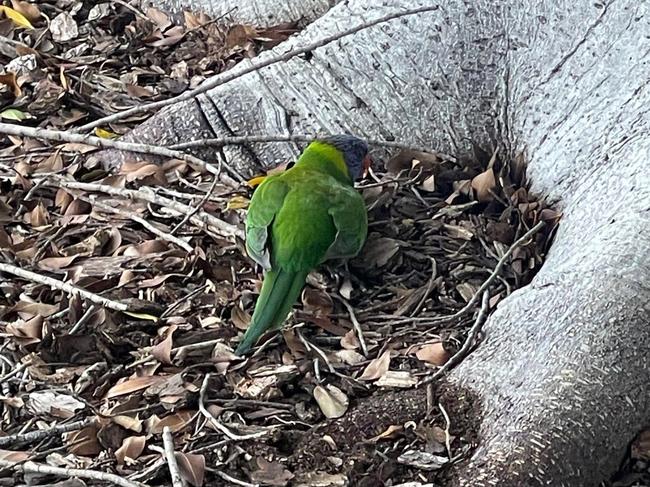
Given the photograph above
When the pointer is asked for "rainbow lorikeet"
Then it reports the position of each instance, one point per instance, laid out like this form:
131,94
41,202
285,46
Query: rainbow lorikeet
300,218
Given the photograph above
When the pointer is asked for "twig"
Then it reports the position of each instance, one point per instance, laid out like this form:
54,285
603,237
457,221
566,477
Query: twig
200,204
202,219
493,276
63,286
61,136
83,320
233,480
355,324
254,66
302,138
15,371
172,464
145,224
217,424
447,426
31,467
464,350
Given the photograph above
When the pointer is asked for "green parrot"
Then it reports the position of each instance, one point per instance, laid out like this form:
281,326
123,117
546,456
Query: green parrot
300,218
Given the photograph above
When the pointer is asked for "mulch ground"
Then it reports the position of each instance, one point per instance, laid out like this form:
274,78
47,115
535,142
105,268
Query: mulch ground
331,398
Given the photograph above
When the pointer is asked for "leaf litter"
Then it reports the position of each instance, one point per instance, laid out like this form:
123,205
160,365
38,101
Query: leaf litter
359,336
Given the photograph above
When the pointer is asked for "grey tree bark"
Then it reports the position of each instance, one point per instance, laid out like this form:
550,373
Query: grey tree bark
563,371
260,14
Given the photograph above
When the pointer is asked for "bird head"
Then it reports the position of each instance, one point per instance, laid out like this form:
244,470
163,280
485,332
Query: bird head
355,153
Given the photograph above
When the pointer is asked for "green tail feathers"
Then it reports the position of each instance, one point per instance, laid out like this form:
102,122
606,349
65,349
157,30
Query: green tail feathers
280,290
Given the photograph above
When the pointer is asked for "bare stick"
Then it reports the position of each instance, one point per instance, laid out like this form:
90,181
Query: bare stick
61,136
254,66
45,433
216,423
355,324
31,467
145,224
15,371
464,350
447,426
233,480
199,206
63,286
201,219
304,138
172,464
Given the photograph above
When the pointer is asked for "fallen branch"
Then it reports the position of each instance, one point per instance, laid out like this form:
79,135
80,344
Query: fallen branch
201,219
15,371
45,433
303,138
254,66
63,286
61,136
170,456
467,345
199,206
31,467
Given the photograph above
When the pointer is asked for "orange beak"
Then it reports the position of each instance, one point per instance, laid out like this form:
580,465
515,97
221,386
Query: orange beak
367,162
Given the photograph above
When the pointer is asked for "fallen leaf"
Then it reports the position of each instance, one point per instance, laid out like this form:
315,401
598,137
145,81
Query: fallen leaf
393,431
271,473
163,350
9,79
483,184
63,27
29,10
16,17
132,447
54,404
133,385
433,353
14,456
237,203
422,460
377,367
640,449
396,378
331,400
105,134
192,467
83,442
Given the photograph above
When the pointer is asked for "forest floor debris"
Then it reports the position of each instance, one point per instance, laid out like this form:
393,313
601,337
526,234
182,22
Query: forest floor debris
90,388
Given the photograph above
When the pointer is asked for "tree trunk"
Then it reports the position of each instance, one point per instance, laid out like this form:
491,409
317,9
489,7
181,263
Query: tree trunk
260,14
563,371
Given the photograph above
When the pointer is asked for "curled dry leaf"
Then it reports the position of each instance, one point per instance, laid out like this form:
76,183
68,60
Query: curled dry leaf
132,447
433,353
176,422
271,473
192,467
331,400
396,378
83,442
54,404
484,184
30,11
377,368
393,431
163,350
350,341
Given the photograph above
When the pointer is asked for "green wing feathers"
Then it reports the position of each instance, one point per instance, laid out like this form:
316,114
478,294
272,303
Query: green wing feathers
297,220
280,290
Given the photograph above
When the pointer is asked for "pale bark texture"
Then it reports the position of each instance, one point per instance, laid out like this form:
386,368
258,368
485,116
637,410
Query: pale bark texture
562,373
260,14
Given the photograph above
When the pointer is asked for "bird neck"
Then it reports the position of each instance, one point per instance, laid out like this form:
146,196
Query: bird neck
322,157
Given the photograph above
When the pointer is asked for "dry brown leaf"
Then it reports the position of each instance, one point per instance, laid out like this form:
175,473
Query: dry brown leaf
241,319
50,403
9,79
641,446
350,341
127,422
484,184
317,301
433,353
132,447
396,378
271,473
30,331
14,456
331,401
176,422
29,10
133,385
56,263
39,216
393,431
377,367
161,19
163,350
192,467
83,442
